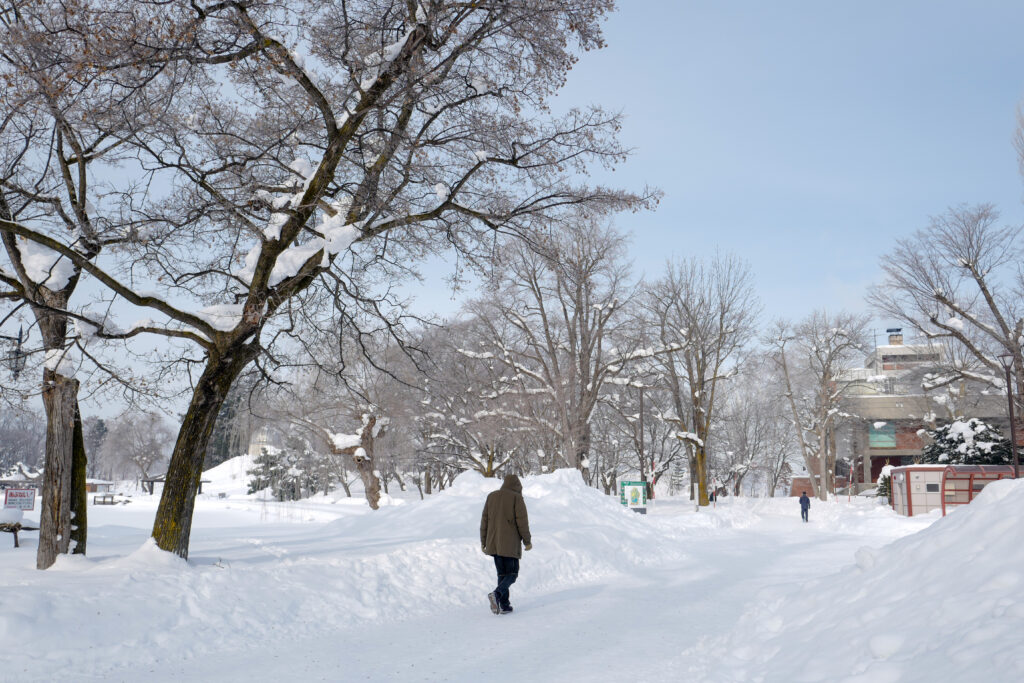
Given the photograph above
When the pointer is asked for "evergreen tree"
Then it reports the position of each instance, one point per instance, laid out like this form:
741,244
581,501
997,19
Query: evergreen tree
267,471
291,473
884,489
95,432
967,442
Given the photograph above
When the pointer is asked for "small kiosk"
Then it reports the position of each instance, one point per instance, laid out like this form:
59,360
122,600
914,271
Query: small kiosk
916,489
919,489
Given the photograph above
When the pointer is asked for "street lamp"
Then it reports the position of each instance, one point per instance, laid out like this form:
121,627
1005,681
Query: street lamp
1006,360
15,362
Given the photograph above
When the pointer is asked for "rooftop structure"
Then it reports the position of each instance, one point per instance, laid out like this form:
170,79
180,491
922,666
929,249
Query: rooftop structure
892,409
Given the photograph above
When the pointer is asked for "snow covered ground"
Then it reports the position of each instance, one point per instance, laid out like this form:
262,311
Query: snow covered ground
322,590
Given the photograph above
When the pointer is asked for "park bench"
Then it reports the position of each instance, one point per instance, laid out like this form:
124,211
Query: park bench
104,499
14,528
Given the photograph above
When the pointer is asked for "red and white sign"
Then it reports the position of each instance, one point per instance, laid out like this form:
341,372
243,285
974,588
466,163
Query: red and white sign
20,499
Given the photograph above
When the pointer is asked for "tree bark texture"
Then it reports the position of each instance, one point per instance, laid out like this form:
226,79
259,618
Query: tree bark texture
79,496
701,461
692,462
823,462
365,464
173,524
59,400
362,457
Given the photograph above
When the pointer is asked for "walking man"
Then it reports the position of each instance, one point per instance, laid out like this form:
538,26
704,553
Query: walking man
504,526
805,505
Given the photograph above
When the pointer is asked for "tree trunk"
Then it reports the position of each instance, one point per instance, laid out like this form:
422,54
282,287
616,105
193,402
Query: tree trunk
584,450
173,524
371,484
832,455
701,461
79,496
59,400
823,461
691,461
365,463
426,481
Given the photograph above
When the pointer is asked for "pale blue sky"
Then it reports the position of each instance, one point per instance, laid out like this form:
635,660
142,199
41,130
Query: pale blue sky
806,136
803,136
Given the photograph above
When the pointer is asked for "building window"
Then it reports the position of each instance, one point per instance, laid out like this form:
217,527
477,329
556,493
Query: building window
882,435
931,488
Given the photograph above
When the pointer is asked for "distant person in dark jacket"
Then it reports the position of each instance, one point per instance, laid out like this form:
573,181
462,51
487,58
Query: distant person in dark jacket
504,526
805,505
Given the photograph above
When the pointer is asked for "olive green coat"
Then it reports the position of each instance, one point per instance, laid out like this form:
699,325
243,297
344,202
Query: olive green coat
504,525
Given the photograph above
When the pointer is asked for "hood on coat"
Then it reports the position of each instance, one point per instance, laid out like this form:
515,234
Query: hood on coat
512,483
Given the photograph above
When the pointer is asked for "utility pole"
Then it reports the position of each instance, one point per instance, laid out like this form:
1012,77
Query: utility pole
1006,360
650,486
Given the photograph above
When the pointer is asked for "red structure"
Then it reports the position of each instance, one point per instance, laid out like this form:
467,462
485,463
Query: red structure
919,489
960,483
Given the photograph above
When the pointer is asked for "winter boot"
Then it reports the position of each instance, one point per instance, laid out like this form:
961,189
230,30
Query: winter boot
494,602
506,609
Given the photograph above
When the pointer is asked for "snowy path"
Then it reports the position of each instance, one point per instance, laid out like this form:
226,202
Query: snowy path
324,591
623,628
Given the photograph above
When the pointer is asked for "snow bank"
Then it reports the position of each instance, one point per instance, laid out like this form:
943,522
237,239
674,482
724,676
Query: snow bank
229,477
11,516
941,604
396,563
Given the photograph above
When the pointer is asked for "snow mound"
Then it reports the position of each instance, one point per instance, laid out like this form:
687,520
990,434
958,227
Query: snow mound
229,477
396,563
11,516
940,604
578,532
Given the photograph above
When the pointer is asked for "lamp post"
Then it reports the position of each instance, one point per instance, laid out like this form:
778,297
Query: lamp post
1006,360
15,362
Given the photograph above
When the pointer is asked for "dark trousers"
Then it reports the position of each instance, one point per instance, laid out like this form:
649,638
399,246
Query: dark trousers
803,514
508,572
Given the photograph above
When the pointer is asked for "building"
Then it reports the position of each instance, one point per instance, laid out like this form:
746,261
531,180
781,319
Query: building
99,486
802,484
919,489
265,438
891,409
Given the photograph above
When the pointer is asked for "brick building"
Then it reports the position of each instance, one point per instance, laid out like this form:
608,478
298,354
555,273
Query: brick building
890,408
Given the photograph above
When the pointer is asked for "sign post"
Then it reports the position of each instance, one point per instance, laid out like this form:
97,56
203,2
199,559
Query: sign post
20,499
633,494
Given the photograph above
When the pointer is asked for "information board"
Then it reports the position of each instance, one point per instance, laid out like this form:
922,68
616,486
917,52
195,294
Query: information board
20,499
633,494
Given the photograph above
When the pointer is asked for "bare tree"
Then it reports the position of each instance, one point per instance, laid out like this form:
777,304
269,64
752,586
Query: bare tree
756,436
22,437
136,442
356,137
958,282
57,135
474,415
553,313
813,357
641,407
709,311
